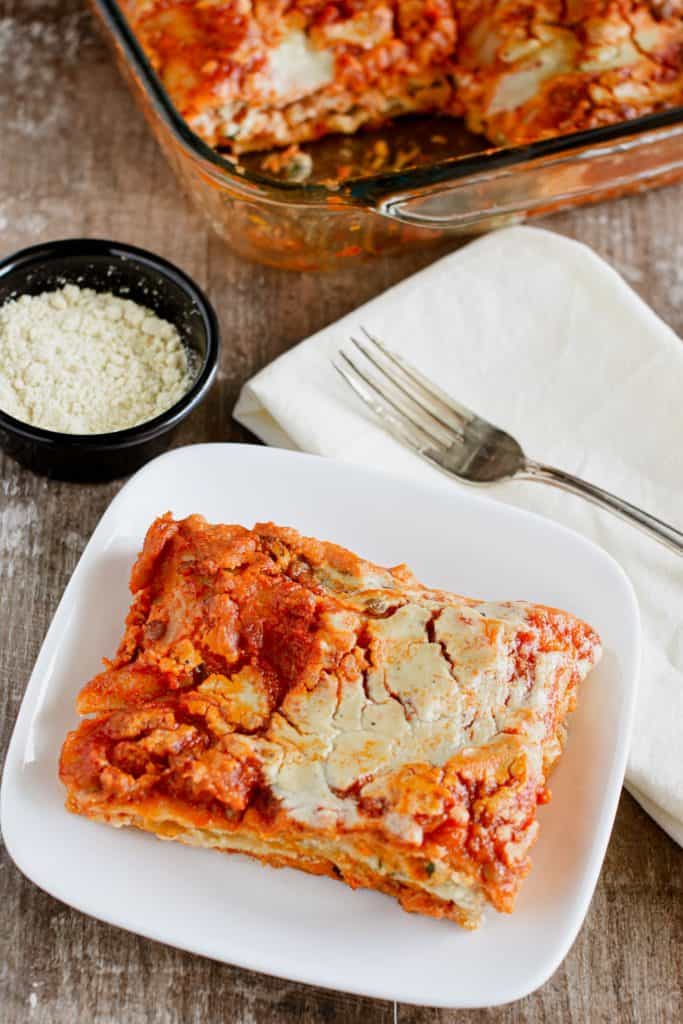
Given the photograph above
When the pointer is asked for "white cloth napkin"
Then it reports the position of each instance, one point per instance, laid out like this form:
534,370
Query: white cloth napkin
538,334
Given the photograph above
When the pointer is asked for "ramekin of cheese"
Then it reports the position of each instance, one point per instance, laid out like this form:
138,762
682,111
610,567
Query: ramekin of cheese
104,350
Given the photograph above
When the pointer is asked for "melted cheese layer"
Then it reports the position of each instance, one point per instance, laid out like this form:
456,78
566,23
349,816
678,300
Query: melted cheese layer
343,854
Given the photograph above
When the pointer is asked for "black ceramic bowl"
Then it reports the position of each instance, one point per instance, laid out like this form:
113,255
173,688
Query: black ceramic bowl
134,274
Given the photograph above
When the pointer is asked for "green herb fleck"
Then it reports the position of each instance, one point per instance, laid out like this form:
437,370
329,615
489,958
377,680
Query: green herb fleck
430,868
299,167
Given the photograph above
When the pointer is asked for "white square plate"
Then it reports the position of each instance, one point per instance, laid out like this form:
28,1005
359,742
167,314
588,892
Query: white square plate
284,922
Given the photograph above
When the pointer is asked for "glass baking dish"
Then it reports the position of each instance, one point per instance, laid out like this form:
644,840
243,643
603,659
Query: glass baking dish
324,222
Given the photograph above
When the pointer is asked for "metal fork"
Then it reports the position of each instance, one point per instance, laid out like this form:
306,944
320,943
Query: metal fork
424,418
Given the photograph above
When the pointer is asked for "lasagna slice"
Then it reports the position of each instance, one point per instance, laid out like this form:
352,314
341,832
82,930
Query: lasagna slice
256,74
528,71
281,697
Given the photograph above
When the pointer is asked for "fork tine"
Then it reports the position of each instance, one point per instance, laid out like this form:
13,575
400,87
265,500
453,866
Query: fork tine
400,425
397,396
446,426
400,407
389,422
462,415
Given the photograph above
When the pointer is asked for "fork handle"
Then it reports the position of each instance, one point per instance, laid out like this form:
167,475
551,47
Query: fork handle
661,531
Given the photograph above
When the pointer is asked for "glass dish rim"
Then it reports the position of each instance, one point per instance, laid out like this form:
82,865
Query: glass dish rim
369,191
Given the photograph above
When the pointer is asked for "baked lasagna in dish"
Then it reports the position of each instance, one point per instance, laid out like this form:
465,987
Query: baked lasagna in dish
257,74
281,697
529,71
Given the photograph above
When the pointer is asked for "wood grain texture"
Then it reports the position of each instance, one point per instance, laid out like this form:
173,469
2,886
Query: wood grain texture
77,159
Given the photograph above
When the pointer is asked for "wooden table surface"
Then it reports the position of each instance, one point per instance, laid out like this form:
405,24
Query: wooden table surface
77,159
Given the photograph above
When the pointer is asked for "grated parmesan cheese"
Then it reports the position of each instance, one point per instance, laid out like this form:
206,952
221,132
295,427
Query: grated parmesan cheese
85,362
